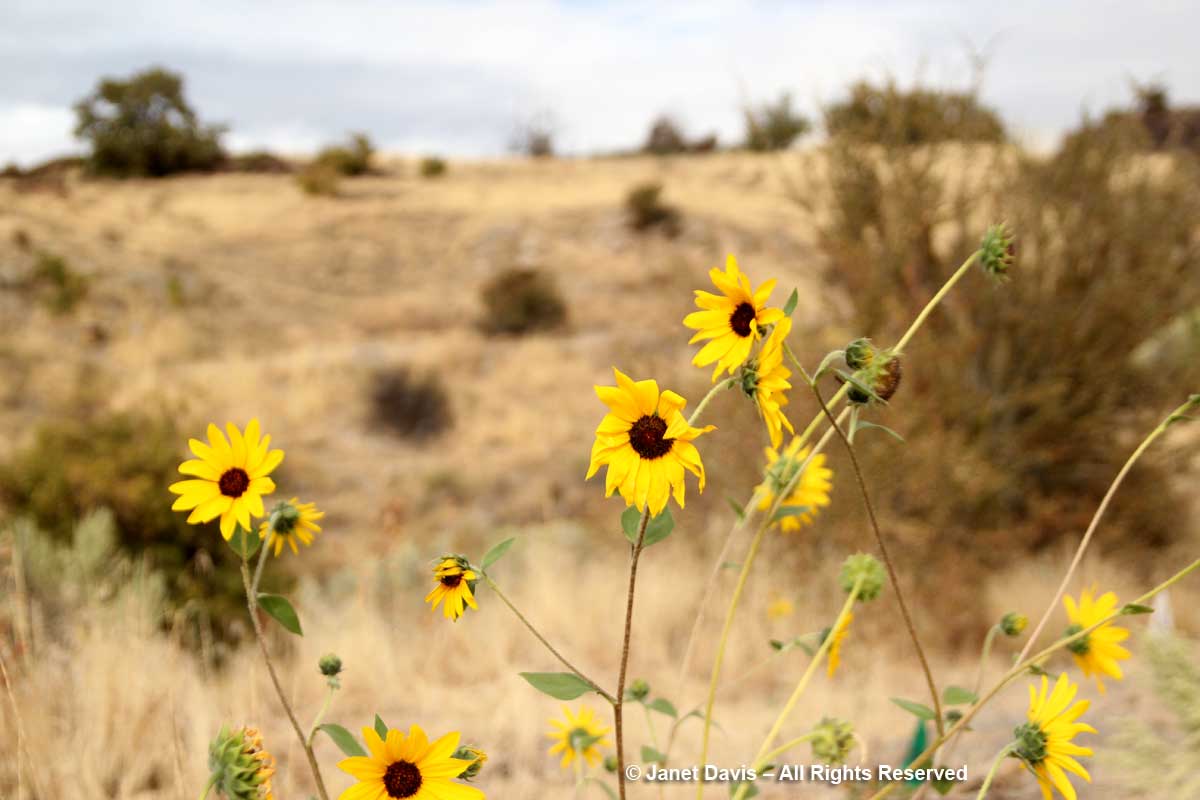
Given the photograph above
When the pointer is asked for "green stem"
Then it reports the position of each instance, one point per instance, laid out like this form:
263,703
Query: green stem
987,782
1091,529
650,725
312,730
537,635
262,559
984,655
934,301
728,383
764,750
1023,665
619,705
783,748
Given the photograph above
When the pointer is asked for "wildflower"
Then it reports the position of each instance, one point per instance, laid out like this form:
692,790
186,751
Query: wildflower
240,768
838,635
810,493
292,522
866,567
455,583
779,608
996,251
881,373
477,758
1098,652
1044,742
765,378
1013,624
230,477
408,767
832,740
581,735
330,665
732,321
646,442
860,354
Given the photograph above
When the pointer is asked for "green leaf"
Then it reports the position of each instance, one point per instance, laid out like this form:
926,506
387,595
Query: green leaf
657,528
958,696
863,424
1130,609
862,387
778,645
281,610
343,739
381,727
1036,669
244,542
942,786
663,706
737,508
559,685
496,553
916,709
829,358
731,565
649,754
790,511
790,305
608,790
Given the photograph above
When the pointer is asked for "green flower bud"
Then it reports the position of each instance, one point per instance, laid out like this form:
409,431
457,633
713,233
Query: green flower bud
473,754
330,665
832,740
610,763
639,690
997,251
1081,646
1030,743
859,354
1013,624
871,572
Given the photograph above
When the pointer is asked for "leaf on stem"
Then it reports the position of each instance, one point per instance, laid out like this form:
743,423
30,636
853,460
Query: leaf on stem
343,739
792,300
496,553
281,611
663,706
650,755
381,727
1129,609
559,685
244,543
657,528
916,709
958,696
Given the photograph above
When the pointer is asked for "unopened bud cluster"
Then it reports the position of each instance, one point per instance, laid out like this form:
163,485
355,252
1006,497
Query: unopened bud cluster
1013,624
996,251
865,571
832,740
874,368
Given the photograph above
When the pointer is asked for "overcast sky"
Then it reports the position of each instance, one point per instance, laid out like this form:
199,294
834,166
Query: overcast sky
455,76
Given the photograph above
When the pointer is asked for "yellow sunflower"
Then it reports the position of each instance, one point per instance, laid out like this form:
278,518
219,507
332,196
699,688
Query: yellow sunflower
1098,652
229,477
838,635
408,766
292,522
580,735
646,442
811,491
240,767
1044,743
454,581
732,320
765,379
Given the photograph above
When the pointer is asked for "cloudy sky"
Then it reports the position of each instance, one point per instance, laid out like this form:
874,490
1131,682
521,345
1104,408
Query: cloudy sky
455,76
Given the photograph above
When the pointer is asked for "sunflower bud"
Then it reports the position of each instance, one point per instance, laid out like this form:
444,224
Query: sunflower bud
1013,624
610,764
1030,744
473,754
1080,646
639,690
996,251
881,373
869,570
859,354
832,740
331,666
239,767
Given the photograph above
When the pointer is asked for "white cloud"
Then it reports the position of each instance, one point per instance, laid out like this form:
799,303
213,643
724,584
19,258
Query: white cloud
31,132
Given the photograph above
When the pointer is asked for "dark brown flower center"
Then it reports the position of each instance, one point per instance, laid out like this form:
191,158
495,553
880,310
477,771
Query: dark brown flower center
646,438
402,779
234,482
741,318
451,581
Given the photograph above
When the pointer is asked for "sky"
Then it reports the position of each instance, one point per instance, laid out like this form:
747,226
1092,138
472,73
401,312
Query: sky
457,77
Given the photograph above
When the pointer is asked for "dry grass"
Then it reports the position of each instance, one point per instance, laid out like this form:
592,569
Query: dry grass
292,305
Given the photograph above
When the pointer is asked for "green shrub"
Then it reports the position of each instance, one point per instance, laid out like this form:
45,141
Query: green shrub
522,301
774,126
646,209
319,180
887,114
534,138
143,127
410,404
432,167
350,160
60,287
261,162
665,138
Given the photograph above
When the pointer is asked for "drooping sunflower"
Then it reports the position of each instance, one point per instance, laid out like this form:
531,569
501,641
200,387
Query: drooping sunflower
765,380
1044,742
811,491
646,442
408,767
838,635
230,477
578,736
240,767
732,320
454,581
292,522
1097,653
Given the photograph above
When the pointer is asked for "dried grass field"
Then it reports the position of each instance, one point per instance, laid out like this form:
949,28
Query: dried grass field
231,296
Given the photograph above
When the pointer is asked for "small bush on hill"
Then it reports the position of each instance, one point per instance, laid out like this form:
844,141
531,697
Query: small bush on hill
409,404
432,167
887,114
647,210
522,301
351,159
774,126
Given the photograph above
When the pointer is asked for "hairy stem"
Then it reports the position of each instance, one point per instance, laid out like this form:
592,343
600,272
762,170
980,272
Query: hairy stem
619,704
316,723
991,775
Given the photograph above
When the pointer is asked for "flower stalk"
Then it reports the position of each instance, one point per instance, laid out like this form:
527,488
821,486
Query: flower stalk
619,702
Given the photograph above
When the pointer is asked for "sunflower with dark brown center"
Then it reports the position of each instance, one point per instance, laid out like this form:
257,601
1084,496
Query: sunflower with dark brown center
732,321
646,443
409,767
454,583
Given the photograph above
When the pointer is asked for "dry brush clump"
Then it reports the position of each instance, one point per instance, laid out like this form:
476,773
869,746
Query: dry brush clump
410,404
522,300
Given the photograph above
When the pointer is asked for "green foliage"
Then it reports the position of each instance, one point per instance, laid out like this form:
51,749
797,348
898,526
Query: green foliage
344,740
657,528
59,286
666,137
887,114
496,553
351,159
522,301
410,404
432,167
280,609
559,685
144,127
260,161
774,126
319,180
647,211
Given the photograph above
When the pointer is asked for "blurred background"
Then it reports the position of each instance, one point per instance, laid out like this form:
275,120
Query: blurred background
410,237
